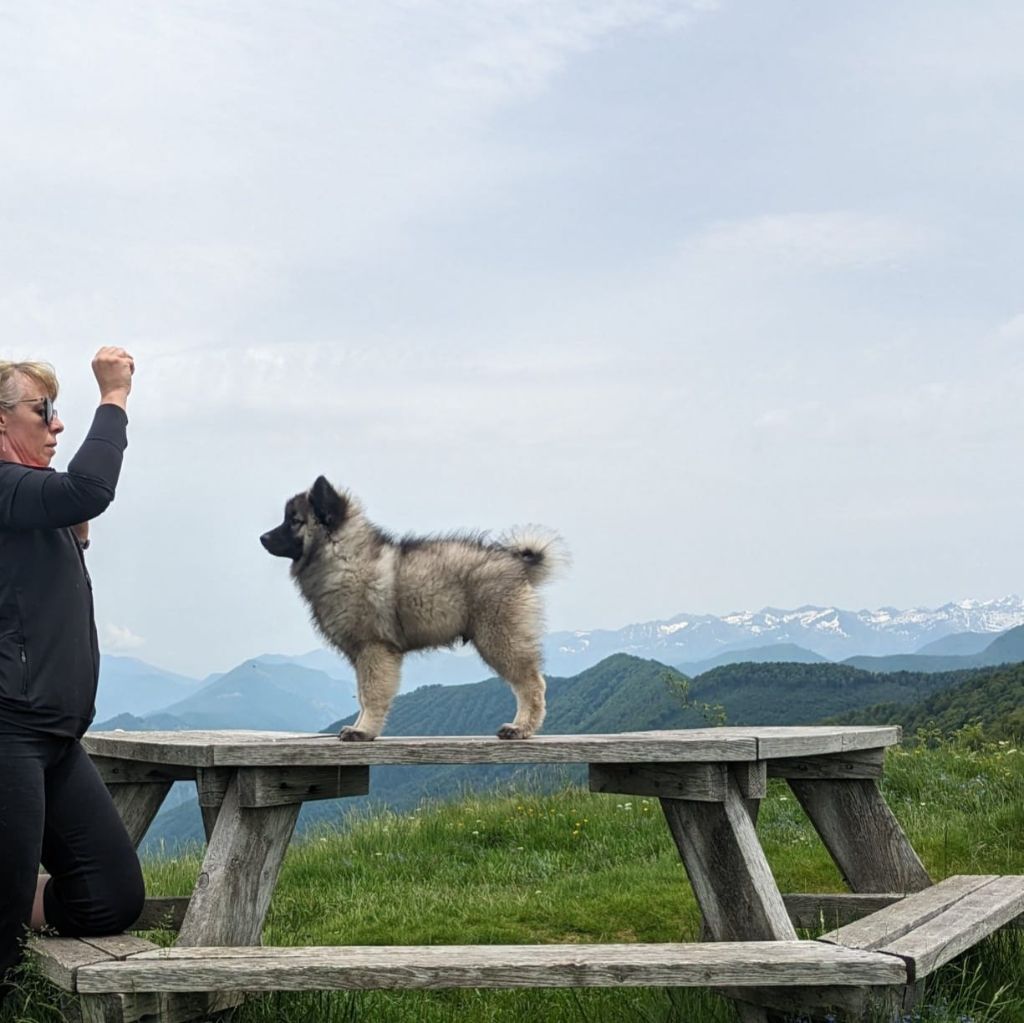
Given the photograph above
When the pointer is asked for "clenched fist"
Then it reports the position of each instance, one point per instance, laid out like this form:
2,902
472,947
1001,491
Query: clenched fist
113,368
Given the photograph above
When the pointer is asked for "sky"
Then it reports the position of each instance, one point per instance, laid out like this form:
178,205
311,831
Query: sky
728,293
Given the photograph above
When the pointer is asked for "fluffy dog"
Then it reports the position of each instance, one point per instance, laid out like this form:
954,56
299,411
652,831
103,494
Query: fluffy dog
375,598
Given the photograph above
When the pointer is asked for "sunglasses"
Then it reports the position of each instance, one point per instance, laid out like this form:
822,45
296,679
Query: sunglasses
46,411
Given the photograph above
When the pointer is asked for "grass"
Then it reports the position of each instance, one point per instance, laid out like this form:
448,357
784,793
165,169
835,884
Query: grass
527,867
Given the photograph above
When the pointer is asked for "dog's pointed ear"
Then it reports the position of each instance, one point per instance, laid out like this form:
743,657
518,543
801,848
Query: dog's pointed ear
328,505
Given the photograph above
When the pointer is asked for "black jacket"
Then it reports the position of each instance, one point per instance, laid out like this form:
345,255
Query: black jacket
49,654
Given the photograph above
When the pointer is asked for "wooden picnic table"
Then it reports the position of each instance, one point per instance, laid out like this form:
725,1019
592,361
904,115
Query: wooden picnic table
251,786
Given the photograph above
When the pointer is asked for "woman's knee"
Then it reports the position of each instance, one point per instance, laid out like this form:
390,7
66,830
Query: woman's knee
107,903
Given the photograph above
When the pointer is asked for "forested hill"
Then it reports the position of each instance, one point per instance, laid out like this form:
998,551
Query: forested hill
798,694
620,694
994,699
625,693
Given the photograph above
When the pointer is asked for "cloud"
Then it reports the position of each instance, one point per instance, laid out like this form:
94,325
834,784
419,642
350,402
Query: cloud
119,638
1012,329
838,239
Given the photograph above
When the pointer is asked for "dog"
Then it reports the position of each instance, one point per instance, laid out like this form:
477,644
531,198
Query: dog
375,599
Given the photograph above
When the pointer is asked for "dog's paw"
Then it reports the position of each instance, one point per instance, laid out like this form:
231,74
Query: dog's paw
513,732
350,734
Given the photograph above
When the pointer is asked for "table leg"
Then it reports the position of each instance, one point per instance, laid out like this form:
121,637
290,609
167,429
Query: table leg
138,803
860,832
731,879
243,858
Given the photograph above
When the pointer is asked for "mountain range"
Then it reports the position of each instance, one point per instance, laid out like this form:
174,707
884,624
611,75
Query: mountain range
830,632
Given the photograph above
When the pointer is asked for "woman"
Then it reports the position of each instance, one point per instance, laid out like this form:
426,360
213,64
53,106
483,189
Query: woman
54,809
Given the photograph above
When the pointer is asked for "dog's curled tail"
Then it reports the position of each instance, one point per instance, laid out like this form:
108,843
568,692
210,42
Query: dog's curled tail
543,551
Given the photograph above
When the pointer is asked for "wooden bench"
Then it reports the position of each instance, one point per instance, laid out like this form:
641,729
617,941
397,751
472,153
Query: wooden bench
709,783
929,928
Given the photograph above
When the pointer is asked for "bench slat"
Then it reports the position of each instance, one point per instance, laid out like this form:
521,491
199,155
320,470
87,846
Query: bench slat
870,933
713,964
60,959
953,931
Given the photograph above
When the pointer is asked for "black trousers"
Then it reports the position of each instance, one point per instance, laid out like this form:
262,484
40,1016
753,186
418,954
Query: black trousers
55,810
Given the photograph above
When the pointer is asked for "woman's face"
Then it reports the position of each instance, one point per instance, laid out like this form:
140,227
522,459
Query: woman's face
30,439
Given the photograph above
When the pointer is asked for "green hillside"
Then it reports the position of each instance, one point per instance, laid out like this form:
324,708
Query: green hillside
992,698
620,694
798,694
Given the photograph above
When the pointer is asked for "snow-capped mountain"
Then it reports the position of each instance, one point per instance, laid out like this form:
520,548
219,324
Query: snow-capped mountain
830,631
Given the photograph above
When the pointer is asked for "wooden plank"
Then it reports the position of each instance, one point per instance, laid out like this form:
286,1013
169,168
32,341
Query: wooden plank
870,736
261,749
59,959
161,914
138,803
975,916
493,966
116,771
752,779
120,946
731,879
673,781
156,747
211,784
860,832
278,786
812,910
234,887
872,932
855,764
803,740
681,746
228,748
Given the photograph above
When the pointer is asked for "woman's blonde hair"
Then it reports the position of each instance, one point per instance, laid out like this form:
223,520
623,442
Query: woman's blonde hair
41,372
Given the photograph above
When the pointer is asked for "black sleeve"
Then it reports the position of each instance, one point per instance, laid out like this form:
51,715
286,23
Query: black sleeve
36,499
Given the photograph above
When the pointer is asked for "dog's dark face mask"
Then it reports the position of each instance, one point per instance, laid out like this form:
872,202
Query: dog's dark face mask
322,507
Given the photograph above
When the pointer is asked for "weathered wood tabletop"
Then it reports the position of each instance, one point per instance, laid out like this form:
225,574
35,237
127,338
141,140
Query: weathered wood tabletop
280,749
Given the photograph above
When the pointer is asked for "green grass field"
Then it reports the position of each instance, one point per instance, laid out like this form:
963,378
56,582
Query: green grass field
521,867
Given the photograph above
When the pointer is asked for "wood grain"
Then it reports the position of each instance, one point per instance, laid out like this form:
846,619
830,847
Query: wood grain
731,879
117,771
813,910
945,936
278,786
239,872
508,966
264,749
138,803
673,781
872,932
863,837
855,764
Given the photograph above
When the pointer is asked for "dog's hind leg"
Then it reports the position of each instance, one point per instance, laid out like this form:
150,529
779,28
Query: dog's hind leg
378,669
516,658
529,686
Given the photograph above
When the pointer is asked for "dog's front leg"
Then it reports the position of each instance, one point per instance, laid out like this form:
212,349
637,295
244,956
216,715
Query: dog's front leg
378,669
